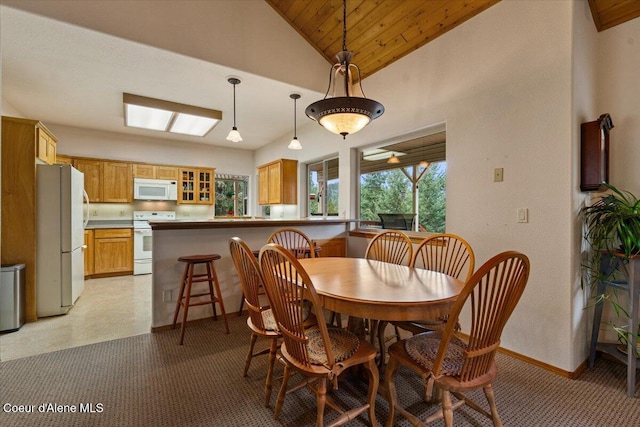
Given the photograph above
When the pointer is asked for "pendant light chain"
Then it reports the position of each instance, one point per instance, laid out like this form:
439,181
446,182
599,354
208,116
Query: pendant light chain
234,106
344,25
295,135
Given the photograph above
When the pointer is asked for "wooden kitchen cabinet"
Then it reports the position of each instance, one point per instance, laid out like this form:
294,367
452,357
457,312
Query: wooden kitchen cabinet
88,253
117,182
46,146
92,170
106,181
113,251
61,159
196,186
25,143
278,183
148,171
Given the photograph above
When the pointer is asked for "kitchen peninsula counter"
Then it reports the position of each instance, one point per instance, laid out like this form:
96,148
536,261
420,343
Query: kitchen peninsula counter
173,239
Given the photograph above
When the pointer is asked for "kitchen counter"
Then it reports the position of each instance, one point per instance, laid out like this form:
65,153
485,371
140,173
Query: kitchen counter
109,224
244,223
173,239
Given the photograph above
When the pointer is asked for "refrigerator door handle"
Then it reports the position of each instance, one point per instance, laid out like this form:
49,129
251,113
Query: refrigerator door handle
86,199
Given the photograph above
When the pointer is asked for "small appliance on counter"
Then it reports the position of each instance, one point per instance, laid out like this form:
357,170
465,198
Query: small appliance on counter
142,238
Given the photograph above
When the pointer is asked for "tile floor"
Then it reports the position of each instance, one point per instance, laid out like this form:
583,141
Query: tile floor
109,308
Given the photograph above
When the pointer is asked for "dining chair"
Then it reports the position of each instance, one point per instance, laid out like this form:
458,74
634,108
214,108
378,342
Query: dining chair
444,360
445,253
394,247
260,321
295,241
390,246
320,353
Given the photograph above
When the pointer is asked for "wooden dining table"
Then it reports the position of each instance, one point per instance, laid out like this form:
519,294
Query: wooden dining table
379,290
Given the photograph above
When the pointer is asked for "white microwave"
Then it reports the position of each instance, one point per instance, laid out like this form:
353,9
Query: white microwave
155,189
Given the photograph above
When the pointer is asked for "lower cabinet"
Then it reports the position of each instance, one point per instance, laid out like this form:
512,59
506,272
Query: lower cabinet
112,252
336,247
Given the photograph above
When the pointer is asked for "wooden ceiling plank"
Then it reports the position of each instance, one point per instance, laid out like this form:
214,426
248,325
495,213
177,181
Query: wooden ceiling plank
365,28
391,25
622,12
323,14
368,45
331,43
308,14
418,37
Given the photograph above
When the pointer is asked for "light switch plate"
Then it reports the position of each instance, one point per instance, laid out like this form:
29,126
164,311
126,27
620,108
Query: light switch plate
523,215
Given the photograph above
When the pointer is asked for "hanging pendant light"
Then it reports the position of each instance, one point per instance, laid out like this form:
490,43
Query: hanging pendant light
347,110
234,135
393,160
294,144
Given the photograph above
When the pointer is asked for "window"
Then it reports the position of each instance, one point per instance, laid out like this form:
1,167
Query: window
323,185
231,195
411,183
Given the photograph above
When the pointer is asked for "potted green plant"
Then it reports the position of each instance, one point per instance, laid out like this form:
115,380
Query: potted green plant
612,228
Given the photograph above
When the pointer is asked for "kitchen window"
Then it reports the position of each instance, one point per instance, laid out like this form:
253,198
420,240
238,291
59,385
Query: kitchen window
323,183
231,195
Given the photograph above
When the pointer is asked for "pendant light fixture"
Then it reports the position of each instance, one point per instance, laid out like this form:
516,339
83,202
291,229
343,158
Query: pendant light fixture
234,135
347,110
294,144
393,160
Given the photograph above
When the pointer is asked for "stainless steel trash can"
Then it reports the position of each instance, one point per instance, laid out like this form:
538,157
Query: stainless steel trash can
12,284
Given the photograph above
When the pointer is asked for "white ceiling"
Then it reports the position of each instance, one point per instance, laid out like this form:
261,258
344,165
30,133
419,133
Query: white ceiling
69,75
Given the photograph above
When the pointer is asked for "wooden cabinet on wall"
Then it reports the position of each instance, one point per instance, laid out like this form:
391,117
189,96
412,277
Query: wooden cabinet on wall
23,146
113,251
196,186
106,181
61,159
278,183
88,253
117,182
154,171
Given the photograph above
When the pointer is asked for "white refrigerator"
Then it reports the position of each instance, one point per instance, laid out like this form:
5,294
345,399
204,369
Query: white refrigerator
60,238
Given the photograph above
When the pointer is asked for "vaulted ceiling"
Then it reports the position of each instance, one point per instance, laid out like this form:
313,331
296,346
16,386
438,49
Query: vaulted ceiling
380,32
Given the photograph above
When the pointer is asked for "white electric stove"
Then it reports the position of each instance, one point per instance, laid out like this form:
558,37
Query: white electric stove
142,238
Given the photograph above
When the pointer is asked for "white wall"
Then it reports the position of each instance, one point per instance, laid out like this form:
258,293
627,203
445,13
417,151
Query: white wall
502,83
619,95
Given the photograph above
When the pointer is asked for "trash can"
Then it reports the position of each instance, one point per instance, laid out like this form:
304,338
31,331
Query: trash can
12,284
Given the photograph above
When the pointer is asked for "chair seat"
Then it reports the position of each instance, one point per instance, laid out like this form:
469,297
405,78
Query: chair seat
423,349
343,343
198,259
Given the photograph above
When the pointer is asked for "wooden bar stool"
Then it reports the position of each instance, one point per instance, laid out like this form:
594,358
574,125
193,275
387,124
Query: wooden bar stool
188,278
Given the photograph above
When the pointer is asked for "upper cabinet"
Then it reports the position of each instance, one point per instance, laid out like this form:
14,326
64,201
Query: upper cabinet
61,159
106,181
141,170
117,182
196,186
46,146
278,183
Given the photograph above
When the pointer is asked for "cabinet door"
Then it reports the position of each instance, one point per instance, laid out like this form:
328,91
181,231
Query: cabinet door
61,159
166,172
186,192
43,144
88,253
275,183
143,171
113,251
92,170
117,182
263,185
51,151
205,186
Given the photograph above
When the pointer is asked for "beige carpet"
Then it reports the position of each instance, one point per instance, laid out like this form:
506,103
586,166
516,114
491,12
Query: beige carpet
148,380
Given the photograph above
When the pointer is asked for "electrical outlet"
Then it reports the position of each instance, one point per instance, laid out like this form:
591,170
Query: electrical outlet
166,295
498,174
122,212
187,214
94,212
